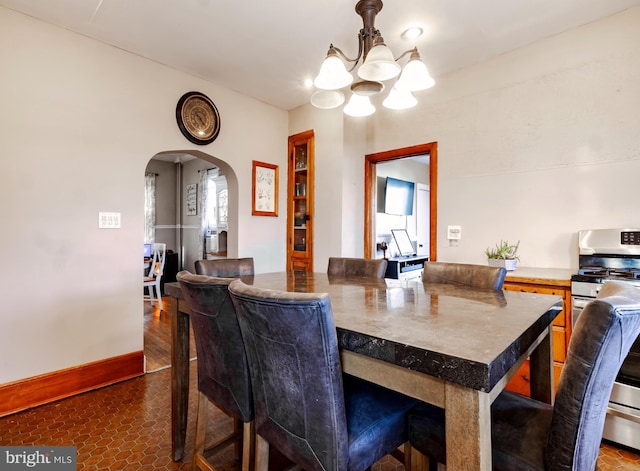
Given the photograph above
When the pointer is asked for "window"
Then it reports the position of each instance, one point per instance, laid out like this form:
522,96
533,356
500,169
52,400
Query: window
149,208
215,212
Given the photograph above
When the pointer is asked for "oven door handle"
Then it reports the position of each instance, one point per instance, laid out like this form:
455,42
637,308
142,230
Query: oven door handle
623,414
580,303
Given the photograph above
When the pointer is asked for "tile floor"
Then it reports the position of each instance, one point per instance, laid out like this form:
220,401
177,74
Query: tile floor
121,427
124,427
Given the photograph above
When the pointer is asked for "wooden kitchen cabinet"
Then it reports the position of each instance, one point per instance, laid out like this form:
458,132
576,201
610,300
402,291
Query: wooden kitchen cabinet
556,282
300,194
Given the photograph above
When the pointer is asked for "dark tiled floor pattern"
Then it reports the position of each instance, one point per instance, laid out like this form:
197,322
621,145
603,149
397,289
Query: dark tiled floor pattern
123,427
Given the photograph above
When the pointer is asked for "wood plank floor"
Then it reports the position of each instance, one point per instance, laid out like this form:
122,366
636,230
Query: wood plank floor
157,337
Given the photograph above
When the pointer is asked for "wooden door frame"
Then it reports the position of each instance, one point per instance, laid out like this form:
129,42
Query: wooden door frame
370,161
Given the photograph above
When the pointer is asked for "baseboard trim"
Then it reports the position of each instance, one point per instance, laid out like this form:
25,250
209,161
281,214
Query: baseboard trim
38,390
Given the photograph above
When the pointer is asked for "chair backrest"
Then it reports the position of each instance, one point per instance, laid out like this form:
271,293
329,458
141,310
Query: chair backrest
156,268
225,267
223,370
601,339
464,274
367,267
292,347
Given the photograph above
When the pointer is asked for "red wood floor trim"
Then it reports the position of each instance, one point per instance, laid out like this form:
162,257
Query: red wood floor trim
37,390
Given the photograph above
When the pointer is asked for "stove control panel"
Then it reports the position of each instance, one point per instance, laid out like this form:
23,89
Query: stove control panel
630,237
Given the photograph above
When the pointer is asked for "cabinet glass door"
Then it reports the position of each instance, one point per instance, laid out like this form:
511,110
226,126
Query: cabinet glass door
300,215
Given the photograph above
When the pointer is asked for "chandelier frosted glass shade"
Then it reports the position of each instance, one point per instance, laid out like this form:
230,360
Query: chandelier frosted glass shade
379,64
327,99
333,73
415,75
377,70
359,106
399,99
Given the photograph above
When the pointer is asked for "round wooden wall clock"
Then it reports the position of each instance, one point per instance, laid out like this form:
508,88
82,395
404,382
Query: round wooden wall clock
198,118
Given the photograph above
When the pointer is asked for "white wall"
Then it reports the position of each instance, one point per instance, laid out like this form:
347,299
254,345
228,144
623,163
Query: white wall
536,144
404,169
533,145
79,122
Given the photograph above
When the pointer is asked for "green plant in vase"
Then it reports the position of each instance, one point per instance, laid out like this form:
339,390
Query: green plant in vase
503,254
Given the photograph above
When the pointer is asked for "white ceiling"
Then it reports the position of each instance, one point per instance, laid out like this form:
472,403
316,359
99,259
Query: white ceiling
266,49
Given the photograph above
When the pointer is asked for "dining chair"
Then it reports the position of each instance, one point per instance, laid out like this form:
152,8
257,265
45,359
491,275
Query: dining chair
531,435
367,267
156,268
305,407
223,371
225,267
464,274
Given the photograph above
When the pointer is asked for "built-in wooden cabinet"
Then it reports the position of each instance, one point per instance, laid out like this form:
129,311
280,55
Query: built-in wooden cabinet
561,331
300,192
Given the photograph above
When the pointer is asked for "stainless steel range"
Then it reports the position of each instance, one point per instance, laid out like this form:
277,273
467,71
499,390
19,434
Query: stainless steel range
613,254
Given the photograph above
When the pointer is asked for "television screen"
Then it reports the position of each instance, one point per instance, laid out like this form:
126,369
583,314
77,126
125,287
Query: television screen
398,197
147,250
405,247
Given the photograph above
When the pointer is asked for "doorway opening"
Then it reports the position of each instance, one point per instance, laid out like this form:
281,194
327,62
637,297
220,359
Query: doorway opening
192,230
370,192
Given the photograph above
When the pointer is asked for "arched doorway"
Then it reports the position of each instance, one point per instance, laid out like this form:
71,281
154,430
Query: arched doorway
188,165
177,170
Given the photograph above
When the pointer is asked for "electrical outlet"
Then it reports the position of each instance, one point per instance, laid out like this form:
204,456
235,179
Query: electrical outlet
108,220
454,233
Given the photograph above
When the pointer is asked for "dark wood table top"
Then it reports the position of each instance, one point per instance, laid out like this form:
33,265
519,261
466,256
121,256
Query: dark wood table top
467,336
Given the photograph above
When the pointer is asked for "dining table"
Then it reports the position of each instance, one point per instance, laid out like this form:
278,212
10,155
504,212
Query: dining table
448,345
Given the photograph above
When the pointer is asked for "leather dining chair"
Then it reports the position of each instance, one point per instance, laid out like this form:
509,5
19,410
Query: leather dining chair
465,274
225,267
361,267
530,435
223,371
153,277
305,407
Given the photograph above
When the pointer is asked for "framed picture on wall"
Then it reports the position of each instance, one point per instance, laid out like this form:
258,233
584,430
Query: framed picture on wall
192,199
264,195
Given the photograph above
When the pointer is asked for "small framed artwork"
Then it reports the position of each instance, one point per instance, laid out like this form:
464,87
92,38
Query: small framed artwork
265,189
192,199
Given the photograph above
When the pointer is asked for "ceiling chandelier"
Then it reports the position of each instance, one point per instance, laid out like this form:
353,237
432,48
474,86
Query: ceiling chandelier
378,66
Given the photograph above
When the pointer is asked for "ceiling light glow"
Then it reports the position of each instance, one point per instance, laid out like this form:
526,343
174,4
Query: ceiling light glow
412,33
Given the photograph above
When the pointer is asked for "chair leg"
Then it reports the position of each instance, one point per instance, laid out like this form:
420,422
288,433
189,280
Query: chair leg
407,456
416,461
262,454
247,436
249,446
201,432
159,295
150,288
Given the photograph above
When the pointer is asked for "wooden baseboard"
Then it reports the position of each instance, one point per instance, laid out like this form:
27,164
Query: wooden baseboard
37,390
